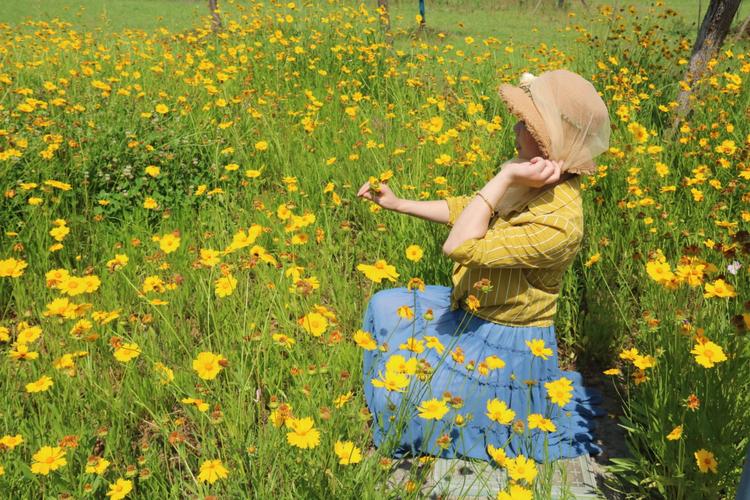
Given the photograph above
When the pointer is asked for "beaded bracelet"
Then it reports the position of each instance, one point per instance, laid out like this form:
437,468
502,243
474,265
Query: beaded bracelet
493,212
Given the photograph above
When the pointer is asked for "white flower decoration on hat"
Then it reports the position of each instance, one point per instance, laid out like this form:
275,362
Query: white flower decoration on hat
526,79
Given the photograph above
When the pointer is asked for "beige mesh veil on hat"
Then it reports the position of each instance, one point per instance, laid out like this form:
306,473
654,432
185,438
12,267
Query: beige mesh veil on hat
567,118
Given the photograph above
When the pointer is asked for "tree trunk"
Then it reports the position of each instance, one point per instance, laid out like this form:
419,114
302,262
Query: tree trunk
215,19
711,35
385,18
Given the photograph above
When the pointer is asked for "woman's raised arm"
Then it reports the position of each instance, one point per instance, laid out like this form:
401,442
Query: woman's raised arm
431,210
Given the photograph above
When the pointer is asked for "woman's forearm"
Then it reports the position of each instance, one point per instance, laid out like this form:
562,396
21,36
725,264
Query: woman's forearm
431,210
474,220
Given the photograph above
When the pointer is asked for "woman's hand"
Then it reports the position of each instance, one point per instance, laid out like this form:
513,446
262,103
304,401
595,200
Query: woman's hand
383,196
535,173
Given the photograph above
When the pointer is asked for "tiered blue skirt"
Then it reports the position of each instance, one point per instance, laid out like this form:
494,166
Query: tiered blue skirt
520,384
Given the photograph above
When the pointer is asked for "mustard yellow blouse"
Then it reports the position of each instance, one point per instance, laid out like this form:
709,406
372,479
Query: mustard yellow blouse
524,256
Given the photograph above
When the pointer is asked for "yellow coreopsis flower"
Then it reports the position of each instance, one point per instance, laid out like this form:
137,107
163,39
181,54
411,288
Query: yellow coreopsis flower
497,454
707,354
719,288
225,285
499,412
538,349
398,364
559,391
97,465
208,365
347,452
659,271
381,269
433,409
261,145
169,242
40,385
120,489
314,323
211,471
127,352
414,253
434,343
405,312
521,468
10,442
516,492
706,461
364,340
12,268
47,459
303,433
593,259
537,421
675,434
392,381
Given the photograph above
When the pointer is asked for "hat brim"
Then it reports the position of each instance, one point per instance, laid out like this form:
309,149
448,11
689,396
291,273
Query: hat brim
522,107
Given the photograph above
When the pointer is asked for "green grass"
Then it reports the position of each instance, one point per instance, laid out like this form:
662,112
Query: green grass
59,122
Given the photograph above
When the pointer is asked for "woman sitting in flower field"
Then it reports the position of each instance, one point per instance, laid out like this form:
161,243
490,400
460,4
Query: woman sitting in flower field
471,370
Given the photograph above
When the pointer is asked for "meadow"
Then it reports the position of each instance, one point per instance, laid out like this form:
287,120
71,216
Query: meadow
181,294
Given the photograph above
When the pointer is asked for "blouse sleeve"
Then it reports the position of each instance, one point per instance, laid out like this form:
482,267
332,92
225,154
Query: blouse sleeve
456,205
547,243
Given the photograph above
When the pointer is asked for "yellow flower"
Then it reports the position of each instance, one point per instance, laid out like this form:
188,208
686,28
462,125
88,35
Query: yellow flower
538,349
120,489
398,364
343,399
497,454
405,312
211,471
412,344
538,421
707,354
303,434
521,468
150,203
261,145
169,243
97,465
47,459
11,442
209,257
414,253
559,391
433,409
643,362
208,365
659,271
376,272
499,412
314,323
12,268
127,351
162,109
675,434
166,375
613,371
225,285
434,343
347,452
516,492
364,340
392,381
706,461
152,170
40,385
593,259
719,288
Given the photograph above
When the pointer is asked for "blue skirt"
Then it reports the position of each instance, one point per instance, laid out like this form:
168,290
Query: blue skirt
454,375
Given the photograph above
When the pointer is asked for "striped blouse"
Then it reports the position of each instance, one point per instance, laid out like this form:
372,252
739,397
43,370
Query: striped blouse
524,256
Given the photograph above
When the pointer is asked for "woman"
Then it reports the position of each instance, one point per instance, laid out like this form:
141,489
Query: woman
471,370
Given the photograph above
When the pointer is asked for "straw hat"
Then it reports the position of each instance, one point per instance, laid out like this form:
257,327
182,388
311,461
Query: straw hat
565,115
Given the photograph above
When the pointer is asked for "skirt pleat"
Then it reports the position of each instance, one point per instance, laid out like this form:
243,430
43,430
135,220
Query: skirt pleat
520,384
